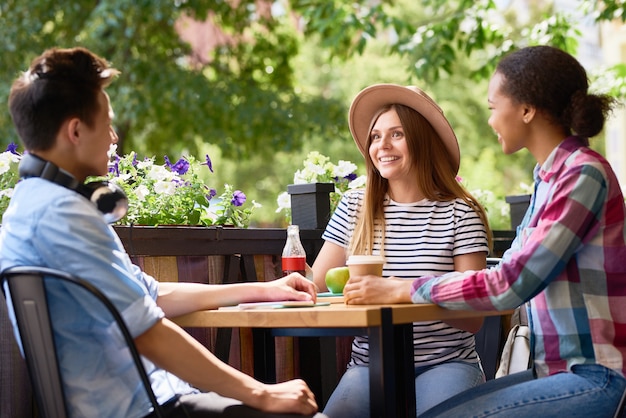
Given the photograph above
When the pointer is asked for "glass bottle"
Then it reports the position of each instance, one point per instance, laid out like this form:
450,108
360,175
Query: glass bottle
294,257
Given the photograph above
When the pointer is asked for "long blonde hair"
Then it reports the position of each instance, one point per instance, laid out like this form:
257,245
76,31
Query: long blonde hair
436,178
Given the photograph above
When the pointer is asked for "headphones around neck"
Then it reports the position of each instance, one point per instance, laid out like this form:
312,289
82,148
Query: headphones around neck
109,198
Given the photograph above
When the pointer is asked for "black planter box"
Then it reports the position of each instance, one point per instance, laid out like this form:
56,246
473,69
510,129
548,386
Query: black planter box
310,204
519,205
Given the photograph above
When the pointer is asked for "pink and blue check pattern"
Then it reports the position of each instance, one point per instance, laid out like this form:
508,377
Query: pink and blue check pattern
568,259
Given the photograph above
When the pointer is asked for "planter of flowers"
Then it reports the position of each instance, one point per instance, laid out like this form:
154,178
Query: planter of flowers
176,193
317,189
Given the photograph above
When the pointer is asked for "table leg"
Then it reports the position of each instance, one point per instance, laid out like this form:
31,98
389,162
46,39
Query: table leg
264,355
381,368
405,370
391,368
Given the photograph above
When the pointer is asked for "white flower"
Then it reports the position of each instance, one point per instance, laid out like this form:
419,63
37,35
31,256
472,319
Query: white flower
314,168
358,182
141,192
283,201
304,176
122,178
6,193
160,174
165,187
6,158
343,169
4,166
112,150
145,164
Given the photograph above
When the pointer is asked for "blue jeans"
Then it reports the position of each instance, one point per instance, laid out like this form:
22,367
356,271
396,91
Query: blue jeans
351,397
589,390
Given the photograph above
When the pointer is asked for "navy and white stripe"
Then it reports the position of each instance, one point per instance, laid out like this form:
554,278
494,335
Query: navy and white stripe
421,239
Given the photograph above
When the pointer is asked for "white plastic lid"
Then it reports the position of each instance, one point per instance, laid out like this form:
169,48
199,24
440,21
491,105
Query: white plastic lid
365,259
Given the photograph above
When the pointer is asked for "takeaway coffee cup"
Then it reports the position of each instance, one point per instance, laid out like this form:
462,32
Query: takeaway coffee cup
361,265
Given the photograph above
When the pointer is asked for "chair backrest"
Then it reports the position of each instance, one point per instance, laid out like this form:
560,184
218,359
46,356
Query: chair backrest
27,297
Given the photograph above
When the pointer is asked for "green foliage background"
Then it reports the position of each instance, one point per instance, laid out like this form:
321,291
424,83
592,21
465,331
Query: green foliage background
259,104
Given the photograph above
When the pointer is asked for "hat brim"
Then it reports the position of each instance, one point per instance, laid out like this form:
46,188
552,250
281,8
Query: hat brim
371,99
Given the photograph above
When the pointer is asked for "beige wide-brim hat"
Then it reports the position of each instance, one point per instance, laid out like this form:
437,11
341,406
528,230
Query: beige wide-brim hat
371,99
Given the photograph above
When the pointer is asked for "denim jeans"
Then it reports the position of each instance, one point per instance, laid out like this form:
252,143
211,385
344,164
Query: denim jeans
589,390
351,397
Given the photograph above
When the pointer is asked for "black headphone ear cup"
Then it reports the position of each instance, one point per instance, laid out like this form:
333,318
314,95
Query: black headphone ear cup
109,198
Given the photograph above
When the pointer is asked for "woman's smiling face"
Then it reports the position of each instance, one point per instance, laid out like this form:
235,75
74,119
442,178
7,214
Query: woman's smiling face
507,117
388,147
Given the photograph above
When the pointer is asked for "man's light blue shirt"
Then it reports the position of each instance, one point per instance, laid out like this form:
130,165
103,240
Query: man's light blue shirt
50,226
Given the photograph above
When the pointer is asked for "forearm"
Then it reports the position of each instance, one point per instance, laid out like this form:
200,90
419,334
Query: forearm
172,349
181,298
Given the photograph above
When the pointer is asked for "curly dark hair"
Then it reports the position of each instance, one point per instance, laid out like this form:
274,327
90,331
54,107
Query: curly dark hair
555,83
60,84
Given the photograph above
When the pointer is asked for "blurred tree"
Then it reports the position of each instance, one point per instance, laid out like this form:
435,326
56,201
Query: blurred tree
240,97
266,82
434,34
238,91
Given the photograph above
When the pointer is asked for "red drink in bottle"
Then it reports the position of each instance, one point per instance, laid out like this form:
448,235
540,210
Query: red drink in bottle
294,257
294,264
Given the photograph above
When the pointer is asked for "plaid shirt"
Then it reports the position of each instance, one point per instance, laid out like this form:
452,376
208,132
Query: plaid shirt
568,259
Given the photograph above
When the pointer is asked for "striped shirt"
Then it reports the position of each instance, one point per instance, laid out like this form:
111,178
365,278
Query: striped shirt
568,259
421,238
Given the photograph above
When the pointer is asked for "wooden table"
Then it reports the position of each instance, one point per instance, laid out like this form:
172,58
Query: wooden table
389,328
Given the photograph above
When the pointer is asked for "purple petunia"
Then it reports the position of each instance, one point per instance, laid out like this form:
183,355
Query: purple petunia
180,167
239,198
12,148
212,193
115,167
208,162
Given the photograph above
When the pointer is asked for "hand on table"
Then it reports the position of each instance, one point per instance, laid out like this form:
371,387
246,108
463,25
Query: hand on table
370,290
293,396
293,287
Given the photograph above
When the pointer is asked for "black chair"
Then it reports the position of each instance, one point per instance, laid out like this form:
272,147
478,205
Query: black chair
27,295
489,339
489,345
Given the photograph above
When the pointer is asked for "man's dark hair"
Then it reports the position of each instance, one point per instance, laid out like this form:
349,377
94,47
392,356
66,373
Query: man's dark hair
60,84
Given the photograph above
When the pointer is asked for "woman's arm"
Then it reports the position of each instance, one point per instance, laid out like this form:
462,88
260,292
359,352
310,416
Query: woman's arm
372,290
331,255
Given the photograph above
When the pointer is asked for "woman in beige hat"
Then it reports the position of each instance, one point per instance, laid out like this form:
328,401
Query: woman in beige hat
415,213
